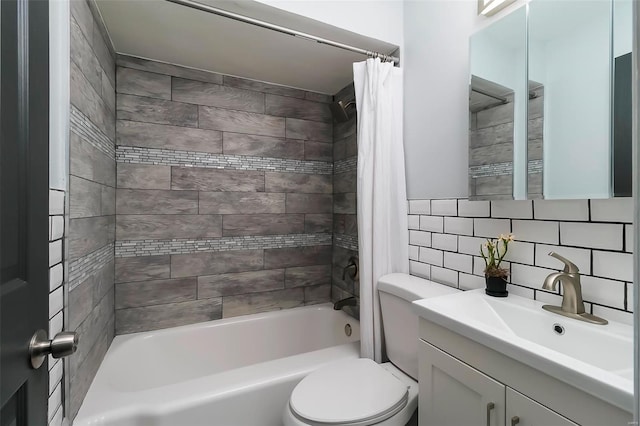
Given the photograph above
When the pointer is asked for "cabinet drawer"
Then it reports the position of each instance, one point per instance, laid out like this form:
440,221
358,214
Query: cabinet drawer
523,411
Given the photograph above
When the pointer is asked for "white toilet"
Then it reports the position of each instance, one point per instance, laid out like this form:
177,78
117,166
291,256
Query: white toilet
359,391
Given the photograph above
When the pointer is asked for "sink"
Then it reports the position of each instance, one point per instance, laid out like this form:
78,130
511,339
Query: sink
597,359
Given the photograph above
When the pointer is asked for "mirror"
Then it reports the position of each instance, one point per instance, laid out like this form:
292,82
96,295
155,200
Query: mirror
563,129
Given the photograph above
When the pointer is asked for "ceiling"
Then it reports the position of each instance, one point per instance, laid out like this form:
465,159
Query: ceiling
164,31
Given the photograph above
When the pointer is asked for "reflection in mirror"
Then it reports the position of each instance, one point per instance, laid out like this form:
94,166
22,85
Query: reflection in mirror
622,103
497,109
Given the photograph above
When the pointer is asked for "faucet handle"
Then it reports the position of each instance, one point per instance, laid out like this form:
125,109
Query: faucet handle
569,267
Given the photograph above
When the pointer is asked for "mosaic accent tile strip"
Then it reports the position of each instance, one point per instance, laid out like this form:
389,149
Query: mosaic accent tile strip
501,169
348,242
185,246
81,125
82,268
137,155
346,165
535,166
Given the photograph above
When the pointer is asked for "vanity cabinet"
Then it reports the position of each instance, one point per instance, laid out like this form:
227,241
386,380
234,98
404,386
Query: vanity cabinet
453,393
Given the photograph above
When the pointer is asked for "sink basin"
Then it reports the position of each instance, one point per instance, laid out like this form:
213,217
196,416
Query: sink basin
595,358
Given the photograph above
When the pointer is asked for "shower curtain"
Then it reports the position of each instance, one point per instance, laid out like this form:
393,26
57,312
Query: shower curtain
382,198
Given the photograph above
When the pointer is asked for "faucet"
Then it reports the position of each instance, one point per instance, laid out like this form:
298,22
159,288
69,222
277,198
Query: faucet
352,268
349,301
572,303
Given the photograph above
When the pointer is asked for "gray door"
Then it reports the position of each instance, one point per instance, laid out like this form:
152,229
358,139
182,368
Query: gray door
24,175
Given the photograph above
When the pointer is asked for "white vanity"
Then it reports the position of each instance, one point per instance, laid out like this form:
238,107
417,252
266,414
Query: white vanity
496,362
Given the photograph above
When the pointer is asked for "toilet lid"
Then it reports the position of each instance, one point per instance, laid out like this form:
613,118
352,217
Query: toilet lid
350,392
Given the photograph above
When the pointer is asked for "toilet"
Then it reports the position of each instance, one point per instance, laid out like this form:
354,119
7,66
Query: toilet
360,392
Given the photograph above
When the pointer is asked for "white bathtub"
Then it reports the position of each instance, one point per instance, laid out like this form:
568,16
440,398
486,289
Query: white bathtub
231,372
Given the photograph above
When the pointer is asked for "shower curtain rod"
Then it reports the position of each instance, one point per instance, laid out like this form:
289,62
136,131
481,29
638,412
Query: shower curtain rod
284,30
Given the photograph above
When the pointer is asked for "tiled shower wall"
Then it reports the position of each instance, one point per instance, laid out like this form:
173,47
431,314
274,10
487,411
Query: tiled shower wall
224,196
445,238
345,224
91,198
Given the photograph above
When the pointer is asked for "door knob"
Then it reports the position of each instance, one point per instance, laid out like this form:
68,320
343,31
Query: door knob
63,344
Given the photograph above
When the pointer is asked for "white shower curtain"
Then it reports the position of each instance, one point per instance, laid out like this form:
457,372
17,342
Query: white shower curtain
382,196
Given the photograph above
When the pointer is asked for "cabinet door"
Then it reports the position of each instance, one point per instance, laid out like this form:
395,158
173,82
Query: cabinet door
522,411
455,394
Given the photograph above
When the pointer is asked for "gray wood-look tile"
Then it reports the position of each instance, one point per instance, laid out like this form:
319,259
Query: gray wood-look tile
82,55
262,302
167,226
102,48
149,135
156,317
317,294
345,224
340,260
102,282
347,93
87,162
298,182
158,111
169,69
156,292
297,256
262,146
534,185
85,197
346,129
535,128
318,223
345,182
88,234
534,149
108,198
318,151
502,133
493,116
240,122
345,203
309,130
143,176
216,95
143,83
259,86
142,268
143,201
307,275
262,224
240,283
204,179
339,149
82,14
309,203
490,154
285,106
494,185
536,107
80,304
318,97
240,203
108,92
89,102
196,264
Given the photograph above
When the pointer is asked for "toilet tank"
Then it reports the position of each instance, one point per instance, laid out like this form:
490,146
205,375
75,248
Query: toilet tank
400,324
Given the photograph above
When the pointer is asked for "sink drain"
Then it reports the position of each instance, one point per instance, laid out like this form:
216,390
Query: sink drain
347,330
558,328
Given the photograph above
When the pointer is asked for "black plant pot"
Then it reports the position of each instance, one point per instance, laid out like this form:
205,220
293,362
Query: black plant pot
496,286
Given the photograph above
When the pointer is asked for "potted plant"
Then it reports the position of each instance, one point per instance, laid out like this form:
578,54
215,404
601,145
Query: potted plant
493,252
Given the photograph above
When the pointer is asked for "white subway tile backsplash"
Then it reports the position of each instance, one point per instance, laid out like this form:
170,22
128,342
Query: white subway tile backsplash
550,298
468,208
432,223
536,231
431,256
57,418
471,282
630,290
612,210
57,227
444,242
414,221
458,225
419,206
491,228
444,207
413,252
521,291
55,401
470,245
511,209
421,270
613,314
581,257
458,262
420,238
561,209
628,238
56,202
444,276
55,375
520,252
603,292
595,235
529,276
55,276
55,302
55,252
56,323
617,266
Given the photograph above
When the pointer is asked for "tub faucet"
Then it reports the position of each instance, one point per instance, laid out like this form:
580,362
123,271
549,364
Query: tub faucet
349,301
572,303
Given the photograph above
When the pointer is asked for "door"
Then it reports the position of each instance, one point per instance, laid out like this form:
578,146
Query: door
523,411
24,176
455,394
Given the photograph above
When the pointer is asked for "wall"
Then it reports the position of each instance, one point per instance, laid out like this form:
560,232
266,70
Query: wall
91,199
445,238
224,196
345,221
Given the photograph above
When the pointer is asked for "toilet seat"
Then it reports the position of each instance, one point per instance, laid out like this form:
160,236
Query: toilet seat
356,392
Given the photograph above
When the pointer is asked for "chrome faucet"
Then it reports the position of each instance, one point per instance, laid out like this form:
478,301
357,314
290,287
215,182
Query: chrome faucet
572,303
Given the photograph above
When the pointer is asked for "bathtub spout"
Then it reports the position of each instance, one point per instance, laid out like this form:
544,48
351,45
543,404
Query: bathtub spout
349,301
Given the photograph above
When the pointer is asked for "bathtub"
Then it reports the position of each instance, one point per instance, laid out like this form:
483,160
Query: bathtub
231,372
